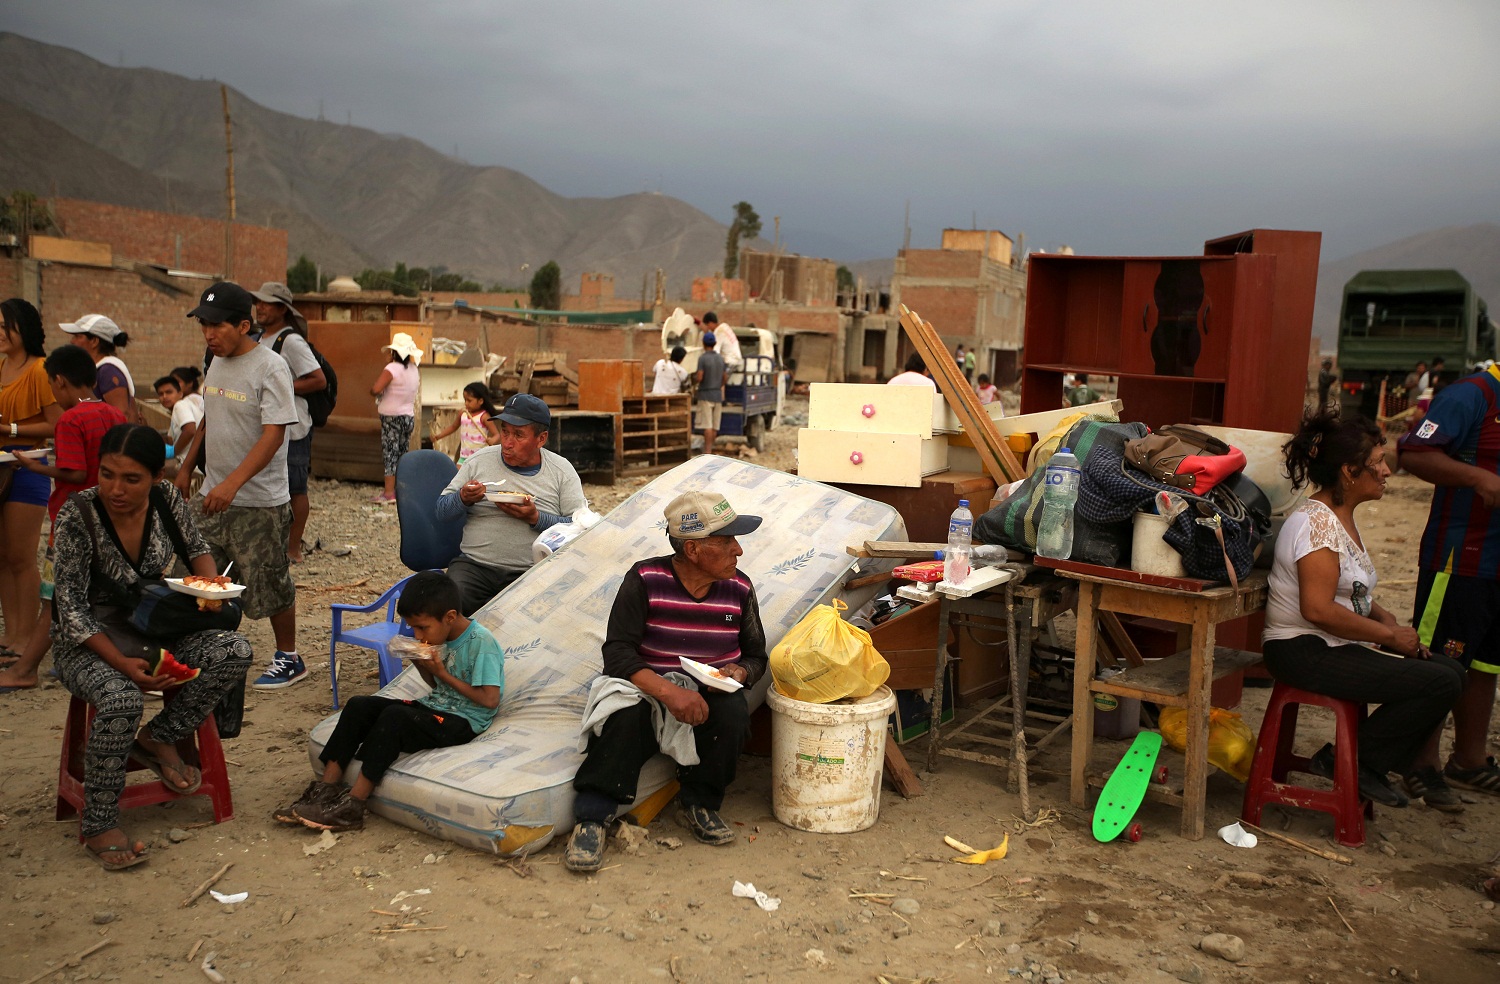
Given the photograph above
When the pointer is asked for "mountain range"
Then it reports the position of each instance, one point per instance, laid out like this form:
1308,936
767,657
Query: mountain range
349,197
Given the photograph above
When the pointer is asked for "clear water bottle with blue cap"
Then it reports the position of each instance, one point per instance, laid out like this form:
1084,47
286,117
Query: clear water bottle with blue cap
960,539
1054,538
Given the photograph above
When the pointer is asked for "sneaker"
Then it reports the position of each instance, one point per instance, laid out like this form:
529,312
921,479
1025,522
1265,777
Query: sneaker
1427,784
285,670
1372,785
586,847
705,824
317,791
337,813
1483,779
1321,763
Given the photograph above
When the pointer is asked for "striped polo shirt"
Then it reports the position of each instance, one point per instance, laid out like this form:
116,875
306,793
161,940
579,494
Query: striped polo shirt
706,629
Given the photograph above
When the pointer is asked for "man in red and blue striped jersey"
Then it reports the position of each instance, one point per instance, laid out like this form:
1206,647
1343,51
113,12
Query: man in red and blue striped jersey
1456,447
693,603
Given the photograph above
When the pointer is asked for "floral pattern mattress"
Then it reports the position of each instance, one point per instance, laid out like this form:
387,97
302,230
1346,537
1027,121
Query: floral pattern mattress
510,790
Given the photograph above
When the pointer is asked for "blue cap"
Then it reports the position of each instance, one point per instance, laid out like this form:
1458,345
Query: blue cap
522,409
708,338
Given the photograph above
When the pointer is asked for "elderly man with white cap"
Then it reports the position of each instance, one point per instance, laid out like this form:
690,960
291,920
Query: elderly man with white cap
283,330
692,604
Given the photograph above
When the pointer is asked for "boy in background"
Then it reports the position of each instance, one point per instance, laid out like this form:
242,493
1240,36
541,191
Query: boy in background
466,676
186,414
77,436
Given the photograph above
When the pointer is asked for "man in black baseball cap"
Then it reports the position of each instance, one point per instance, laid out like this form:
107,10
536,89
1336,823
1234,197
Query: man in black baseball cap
224,303
506,496
244,507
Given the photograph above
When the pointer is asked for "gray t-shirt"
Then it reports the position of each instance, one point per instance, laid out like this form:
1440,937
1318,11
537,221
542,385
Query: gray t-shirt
242,394
299,357
711,364
495,539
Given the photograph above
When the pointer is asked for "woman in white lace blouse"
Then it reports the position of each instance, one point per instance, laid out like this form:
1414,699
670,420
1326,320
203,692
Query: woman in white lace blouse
1324,630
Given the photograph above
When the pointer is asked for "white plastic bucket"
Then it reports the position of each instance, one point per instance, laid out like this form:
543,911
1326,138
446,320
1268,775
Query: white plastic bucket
1149,553
827,760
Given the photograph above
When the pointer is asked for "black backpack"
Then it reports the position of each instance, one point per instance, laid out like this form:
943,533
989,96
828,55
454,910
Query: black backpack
320,404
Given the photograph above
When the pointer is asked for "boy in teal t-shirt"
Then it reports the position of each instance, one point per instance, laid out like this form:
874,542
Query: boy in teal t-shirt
466,682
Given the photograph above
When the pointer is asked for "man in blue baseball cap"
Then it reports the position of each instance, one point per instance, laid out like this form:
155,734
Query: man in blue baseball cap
507,494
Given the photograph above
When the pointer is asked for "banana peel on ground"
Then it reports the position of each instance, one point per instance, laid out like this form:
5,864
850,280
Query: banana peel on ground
978,857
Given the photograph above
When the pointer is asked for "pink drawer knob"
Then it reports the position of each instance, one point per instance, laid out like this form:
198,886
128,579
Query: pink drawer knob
856,458
868,409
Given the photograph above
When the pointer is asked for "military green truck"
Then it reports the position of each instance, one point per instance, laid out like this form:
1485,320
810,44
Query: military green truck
1392,319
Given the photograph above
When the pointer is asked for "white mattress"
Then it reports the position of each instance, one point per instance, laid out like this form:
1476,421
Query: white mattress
510,790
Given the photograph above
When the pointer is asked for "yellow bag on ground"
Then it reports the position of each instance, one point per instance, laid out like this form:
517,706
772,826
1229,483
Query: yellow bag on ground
1231,743
824,658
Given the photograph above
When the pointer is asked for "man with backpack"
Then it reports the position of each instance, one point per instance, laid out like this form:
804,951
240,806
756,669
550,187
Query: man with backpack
284,329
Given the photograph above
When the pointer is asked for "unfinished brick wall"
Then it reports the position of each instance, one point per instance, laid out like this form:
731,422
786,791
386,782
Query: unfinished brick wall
596,287
952,311
155,317
183,242
942,263
711,290
10,278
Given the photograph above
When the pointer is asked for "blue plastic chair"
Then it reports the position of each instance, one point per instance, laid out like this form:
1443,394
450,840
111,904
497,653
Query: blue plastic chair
376,636
426,544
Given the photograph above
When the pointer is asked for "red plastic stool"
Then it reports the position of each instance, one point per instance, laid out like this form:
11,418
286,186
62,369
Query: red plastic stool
1274,759
210,762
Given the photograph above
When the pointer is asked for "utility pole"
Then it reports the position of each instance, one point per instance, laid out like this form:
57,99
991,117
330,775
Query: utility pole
229,186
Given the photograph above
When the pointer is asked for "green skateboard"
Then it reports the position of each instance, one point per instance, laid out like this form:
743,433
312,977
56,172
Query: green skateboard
1126,788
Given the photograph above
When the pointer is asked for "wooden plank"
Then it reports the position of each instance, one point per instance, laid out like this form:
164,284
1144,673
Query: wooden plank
900,549
1083,697
899,772
996,456
1169,677
1124,574
1200,683
1043,422
77,252
1120,639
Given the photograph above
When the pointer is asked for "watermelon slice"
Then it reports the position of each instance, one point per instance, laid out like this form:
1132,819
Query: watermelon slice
167,665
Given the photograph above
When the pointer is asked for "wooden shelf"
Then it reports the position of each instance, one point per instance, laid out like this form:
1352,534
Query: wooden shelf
1165,681
1218,338
655,434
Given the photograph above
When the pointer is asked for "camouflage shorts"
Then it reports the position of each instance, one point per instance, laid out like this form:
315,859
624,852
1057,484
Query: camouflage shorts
255,538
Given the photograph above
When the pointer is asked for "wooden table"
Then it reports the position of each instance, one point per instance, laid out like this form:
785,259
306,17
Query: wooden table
1031,599
1183,680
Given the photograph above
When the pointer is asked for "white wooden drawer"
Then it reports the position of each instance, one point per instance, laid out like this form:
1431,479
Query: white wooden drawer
869,458
872,408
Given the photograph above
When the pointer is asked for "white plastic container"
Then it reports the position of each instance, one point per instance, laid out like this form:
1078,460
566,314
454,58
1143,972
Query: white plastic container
1149,553
827,760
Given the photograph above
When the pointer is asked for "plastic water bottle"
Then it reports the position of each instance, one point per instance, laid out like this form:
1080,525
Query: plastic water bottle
1054,538
960,537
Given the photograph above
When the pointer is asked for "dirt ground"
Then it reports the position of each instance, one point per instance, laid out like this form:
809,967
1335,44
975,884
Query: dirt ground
1060,907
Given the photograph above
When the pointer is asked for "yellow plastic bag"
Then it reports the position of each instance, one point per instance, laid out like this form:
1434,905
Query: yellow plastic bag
824,658
1231,743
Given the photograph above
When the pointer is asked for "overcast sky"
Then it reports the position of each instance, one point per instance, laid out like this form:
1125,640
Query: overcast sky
1113,127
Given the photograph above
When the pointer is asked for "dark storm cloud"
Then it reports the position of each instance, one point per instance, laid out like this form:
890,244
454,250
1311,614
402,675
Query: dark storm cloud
1111,127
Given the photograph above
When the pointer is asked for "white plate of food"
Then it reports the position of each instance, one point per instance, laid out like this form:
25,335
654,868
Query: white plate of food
709,676
9,457
214,588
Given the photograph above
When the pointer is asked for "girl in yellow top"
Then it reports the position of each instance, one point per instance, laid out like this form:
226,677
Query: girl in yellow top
28,412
